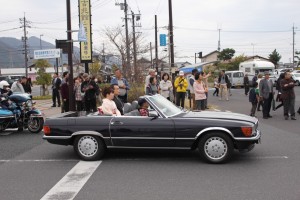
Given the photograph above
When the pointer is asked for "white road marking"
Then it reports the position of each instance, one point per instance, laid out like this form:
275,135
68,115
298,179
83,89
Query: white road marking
69,186
228,111
48,160
269,157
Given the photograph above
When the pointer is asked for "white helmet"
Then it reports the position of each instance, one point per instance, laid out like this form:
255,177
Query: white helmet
3,83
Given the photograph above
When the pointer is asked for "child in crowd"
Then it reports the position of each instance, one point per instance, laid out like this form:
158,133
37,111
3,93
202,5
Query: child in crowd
216,85
254,98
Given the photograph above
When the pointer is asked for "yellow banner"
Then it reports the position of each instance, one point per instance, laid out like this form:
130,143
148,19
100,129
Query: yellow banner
85,19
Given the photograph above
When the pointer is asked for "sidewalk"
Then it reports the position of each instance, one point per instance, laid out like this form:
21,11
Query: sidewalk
45,107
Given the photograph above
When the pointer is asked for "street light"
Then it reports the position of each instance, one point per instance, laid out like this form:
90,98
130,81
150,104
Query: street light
41,41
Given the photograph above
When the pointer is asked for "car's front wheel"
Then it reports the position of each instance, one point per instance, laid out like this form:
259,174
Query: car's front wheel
216,147
89,147
297,83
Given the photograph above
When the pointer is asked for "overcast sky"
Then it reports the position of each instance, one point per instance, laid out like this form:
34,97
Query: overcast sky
248,26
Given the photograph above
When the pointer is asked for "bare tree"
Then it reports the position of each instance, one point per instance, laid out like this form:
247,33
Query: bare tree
117,38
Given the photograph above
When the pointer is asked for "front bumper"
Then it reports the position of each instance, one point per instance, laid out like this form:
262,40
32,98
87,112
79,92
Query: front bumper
255,139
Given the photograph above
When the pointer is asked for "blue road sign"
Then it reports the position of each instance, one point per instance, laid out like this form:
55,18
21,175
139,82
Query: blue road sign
163,40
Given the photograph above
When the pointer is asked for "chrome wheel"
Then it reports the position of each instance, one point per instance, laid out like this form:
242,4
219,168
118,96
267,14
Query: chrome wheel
87,146
35,125
215,148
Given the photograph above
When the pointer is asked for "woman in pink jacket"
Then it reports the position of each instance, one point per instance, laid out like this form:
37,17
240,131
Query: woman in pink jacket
200,88
108,106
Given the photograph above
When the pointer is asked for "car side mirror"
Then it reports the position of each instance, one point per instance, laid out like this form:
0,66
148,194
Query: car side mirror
153,114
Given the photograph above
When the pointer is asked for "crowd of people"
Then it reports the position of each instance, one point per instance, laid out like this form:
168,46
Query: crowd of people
263,94
86,91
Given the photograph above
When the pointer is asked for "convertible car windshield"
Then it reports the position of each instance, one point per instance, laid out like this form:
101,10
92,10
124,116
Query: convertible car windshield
165,106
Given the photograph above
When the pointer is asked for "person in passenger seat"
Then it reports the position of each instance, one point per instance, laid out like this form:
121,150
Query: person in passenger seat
108,106
143,107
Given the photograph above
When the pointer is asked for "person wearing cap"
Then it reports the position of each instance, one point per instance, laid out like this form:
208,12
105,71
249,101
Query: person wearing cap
266,94
144,105
181,86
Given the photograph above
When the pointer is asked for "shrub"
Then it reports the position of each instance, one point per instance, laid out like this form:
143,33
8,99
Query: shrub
136,90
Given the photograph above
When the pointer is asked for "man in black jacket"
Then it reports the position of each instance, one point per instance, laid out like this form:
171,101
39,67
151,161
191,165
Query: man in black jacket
90,90
246,84
117,100
56,82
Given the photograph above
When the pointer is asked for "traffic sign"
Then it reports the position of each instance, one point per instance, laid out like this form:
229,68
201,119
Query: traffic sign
46,53
163,40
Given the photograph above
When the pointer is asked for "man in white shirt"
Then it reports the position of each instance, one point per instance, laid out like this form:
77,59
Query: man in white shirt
17,86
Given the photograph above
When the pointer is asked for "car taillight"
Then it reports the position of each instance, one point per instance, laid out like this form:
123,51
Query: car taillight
247,131
46,130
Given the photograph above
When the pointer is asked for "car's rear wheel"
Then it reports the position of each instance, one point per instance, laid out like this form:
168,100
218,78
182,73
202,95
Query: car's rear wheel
89,147
297,83
216,147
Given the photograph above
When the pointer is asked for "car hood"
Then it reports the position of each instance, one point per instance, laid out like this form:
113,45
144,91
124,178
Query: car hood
220,115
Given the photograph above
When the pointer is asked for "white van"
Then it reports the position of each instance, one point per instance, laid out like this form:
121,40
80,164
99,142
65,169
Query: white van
236,78
258,66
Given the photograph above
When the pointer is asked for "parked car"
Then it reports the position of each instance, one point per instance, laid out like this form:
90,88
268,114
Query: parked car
10,78
214,134
5,78
296,77
236,78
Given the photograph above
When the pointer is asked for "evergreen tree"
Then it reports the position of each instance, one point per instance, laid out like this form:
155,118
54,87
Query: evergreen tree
274,57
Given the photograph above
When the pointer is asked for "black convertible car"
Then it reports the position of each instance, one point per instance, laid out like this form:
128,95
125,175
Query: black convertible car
214,134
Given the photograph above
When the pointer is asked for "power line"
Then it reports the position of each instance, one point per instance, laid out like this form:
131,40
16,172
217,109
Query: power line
9,29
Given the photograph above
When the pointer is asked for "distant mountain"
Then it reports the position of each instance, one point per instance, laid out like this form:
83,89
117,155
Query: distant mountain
12,51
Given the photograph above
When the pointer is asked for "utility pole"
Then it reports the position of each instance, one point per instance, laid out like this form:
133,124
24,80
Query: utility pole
70,60
151,55
128,67
171,33
195,57
156,47
41,41
103,53
25,24
294,44
134,46
219,42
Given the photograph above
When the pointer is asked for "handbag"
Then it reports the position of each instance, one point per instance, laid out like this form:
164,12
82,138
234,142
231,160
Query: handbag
278,97
273,104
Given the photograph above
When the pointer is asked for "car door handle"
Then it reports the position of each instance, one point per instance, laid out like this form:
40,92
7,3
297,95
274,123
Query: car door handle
117,123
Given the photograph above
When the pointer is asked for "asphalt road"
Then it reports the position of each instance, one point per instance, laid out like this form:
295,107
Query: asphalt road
31,168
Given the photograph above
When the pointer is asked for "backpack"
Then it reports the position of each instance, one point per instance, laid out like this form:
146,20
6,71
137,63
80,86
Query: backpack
252,96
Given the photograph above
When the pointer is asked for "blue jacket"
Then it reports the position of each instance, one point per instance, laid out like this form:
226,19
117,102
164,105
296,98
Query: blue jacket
114,81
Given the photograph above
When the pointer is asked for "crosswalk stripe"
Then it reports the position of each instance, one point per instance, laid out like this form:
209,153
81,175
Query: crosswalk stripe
69,186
